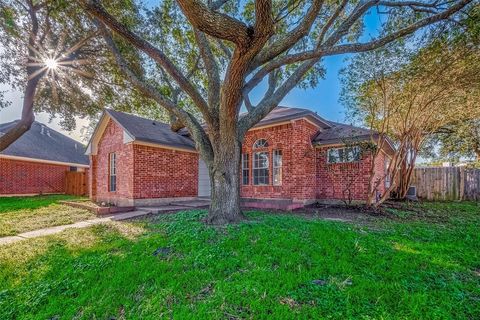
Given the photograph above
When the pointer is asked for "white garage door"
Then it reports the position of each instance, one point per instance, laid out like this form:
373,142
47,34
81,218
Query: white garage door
203,179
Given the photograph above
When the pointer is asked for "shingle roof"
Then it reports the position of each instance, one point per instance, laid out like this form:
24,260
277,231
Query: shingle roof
146,130
342,133
281,113
42,142
150,130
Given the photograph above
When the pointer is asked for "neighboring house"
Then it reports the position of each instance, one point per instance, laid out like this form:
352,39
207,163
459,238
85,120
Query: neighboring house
38,161
291,158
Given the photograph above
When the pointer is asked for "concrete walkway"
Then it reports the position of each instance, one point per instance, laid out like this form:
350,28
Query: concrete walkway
141,211
77,225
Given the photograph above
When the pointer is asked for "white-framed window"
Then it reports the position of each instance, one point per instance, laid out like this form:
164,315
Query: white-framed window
387,173
260,143
277,167
260,168
245,169
341,155
112,172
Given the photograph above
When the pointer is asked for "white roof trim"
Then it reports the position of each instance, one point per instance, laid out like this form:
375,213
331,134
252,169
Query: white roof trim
163,146
70,164
97,134
127,137
275,124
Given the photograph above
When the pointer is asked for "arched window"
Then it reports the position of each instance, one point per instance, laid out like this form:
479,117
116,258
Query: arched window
260,143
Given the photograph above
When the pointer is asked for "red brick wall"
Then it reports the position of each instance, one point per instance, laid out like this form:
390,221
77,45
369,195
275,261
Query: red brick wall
145,172
343,180
112,141
24,177
164,173
142,172
298,180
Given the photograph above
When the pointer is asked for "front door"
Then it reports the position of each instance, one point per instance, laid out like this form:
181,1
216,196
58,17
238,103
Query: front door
203,179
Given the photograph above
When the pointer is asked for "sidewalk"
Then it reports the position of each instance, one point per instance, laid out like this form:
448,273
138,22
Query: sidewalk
81,224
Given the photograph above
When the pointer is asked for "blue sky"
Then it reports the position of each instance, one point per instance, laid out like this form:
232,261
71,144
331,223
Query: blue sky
323,99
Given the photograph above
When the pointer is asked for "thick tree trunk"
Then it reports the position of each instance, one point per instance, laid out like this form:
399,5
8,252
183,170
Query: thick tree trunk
225,187
224,173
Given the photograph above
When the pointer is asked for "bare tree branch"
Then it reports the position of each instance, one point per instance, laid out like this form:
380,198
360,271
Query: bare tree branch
215,5
211,68
248,103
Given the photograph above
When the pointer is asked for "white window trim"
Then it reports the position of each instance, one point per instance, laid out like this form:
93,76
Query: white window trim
259,168
387,182
112,171
263,145
277,152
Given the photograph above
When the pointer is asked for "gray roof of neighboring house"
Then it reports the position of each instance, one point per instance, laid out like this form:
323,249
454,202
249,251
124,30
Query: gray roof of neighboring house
342,133
150,130
44,143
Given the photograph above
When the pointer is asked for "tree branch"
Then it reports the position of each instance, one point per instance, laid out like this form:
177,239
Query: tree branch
34,74
327,50
200,137
331,20
269,102
95,9
361,47
215,24
211,68
291,38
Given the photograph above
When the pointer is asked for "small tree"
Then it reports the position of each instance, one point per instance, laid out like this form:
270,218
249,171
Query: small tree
436,86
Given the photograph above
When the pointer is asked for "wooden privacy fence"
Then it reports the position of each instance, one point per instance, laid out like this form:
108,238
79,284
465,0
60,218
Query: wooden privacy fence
447,183
76,183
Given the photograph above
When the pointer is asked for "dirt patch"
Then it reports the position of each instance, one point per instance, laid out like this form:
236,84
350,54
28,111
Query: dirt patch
334,213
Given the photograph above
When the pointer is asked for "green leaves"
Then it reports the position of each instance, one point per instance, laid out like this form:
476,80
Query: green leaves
282,266
7,21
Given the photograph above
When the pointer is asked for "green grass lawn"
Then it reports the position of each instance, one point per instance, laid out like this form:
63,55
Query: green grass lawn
21,214
422,264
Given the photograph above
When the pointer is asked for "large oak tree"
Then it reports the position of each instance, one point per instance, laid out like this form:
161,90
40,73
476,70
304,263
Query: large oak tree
242,44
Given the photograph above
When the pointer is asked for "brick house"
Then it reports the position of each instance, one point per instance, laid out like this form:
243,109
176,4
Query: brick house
291,158
38,161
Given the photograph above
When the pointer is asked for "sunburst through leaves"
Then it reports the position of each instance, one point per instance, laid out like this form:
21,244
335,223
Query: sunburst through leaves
58,62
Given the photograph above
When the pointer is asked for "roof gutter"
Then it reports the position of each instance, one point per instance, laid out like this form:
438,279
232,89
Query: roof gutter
19,158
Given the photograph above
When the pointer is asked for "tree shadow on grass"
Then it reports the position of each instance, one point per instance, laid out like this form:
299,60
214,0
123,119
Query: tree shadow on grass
270,268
